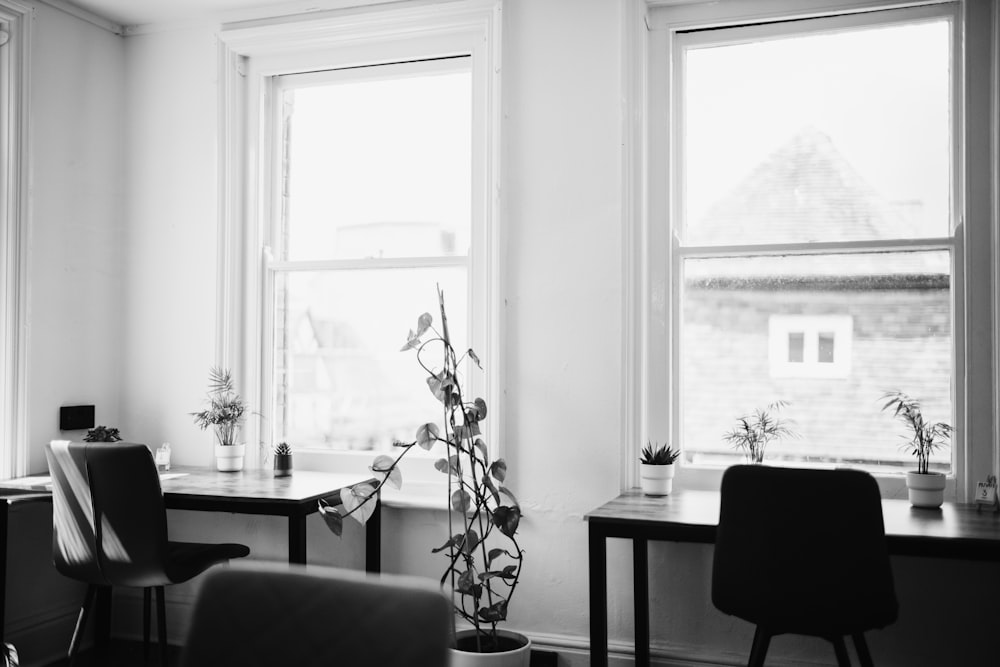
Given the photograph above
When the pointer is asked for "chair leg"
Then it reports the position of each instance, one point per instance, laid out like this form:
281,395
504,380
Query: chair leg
841,649
861,646
161,624
761,640
146,595
81,622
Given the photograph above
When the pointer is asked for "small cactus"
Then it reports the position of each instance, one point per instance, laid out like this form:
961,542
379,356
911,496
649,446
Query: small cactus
282,449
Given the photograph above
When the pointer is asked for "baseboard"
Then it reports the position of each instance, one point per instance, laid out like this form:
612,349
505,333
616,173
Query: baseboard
574,651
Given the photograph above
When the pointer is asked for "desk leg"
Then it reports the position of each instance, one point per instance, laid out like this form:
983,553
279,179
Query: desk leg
103,620
598,567
640,589
297,539
373,538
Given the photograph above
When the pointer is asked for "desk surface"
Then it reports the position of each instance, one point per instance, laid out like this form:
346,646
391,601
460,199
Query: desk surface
301,486
954,531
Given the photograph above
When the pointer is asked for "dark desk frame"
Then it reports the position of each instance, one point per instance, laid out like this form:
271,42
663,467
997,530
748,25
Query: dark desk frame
955,532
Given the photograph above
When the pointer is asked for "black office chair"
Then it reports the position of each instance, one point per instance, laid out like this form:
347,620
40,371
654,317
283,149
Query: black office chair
803,552
110,529
261,615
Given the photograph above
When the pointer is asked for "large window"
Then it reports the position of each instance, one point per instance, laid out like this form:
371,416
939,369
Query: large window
376,207
370,144
815,207
815,230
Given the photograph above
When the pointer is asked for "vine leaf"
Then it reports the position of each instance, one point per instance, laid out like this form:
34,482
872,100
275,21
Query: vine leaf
334,521
387,465
507,519
499,470
461,501
359,502
495,612
427,435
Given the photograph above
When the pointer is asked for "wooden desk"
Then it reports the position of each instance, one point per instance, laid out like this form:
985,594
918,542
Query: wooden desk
954,531
260,492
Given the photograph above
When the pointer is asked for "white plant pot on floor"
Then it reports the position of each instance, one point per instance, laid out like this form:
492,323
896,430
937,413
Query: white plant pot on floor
229,458
656,480
519,656
925,489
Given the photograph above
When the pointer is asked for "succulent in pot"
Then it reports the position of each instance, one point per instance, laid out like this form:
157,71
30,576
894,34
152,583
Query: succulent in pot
482,555
925,487
656,470
102,434
282,460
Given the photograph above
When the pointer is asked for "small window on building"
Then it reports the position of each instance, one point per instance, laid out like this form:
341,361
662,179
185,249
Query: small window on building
810,346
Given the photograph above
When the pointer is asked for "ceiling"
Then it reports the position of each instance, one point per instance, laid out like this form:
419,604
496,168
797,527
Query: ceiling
141,12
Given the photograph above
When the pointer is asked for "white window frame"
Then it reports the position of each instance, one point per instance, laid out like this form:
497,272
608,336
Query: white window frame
14,76
250,58
650,397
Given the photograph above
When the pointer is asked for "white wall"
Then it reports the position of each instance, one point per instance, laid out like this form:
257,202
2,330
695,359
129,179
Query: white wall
76,317
562,274
75,320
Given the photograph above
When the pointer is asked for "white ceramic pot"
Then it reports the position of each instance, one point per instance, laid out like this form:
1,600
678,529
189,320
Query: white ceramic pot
656,480
519,656
229,458
925,489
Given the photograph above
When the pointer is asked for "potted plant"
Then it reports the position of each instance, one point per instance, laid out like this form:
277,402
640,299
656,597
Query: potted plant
482,556
753,432
925,488
282,460
225,414
656,469
102,434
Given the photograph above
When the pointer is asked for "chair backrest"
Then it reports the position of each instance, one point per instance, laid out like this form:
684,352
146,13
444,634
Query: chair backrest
270,614
109,520
803,551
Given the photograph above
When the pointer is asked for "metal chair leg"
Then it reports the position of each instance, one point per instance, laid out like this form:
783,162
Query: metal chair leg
81,622
161,624
861,646
841,649
761,640
146,595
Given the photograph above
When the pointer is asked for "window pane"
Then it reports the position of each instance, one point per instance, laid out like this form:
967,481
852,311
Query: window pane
897,313
379,167
832,136
341,381
796,343
824,351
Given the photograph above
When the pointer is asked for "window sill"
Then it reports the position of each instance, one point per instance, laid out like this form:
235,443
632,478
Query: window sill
416,495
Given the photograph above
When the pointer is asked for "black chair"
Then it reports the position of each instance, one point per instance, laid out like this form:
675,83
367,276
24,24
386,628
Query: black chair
110,529
803,552
261,615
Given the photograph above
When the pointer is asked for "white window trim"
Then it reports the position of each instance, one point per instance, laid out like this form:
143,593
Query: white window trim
14,77
248,57
649,294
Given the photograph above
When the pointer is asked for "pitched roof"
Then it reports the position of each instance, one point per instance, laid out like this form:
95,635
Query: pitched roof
804,191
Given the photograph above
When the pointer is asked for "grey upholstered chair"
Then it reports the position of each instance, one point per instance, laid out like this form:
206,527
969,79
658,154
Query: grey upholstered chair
261,615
